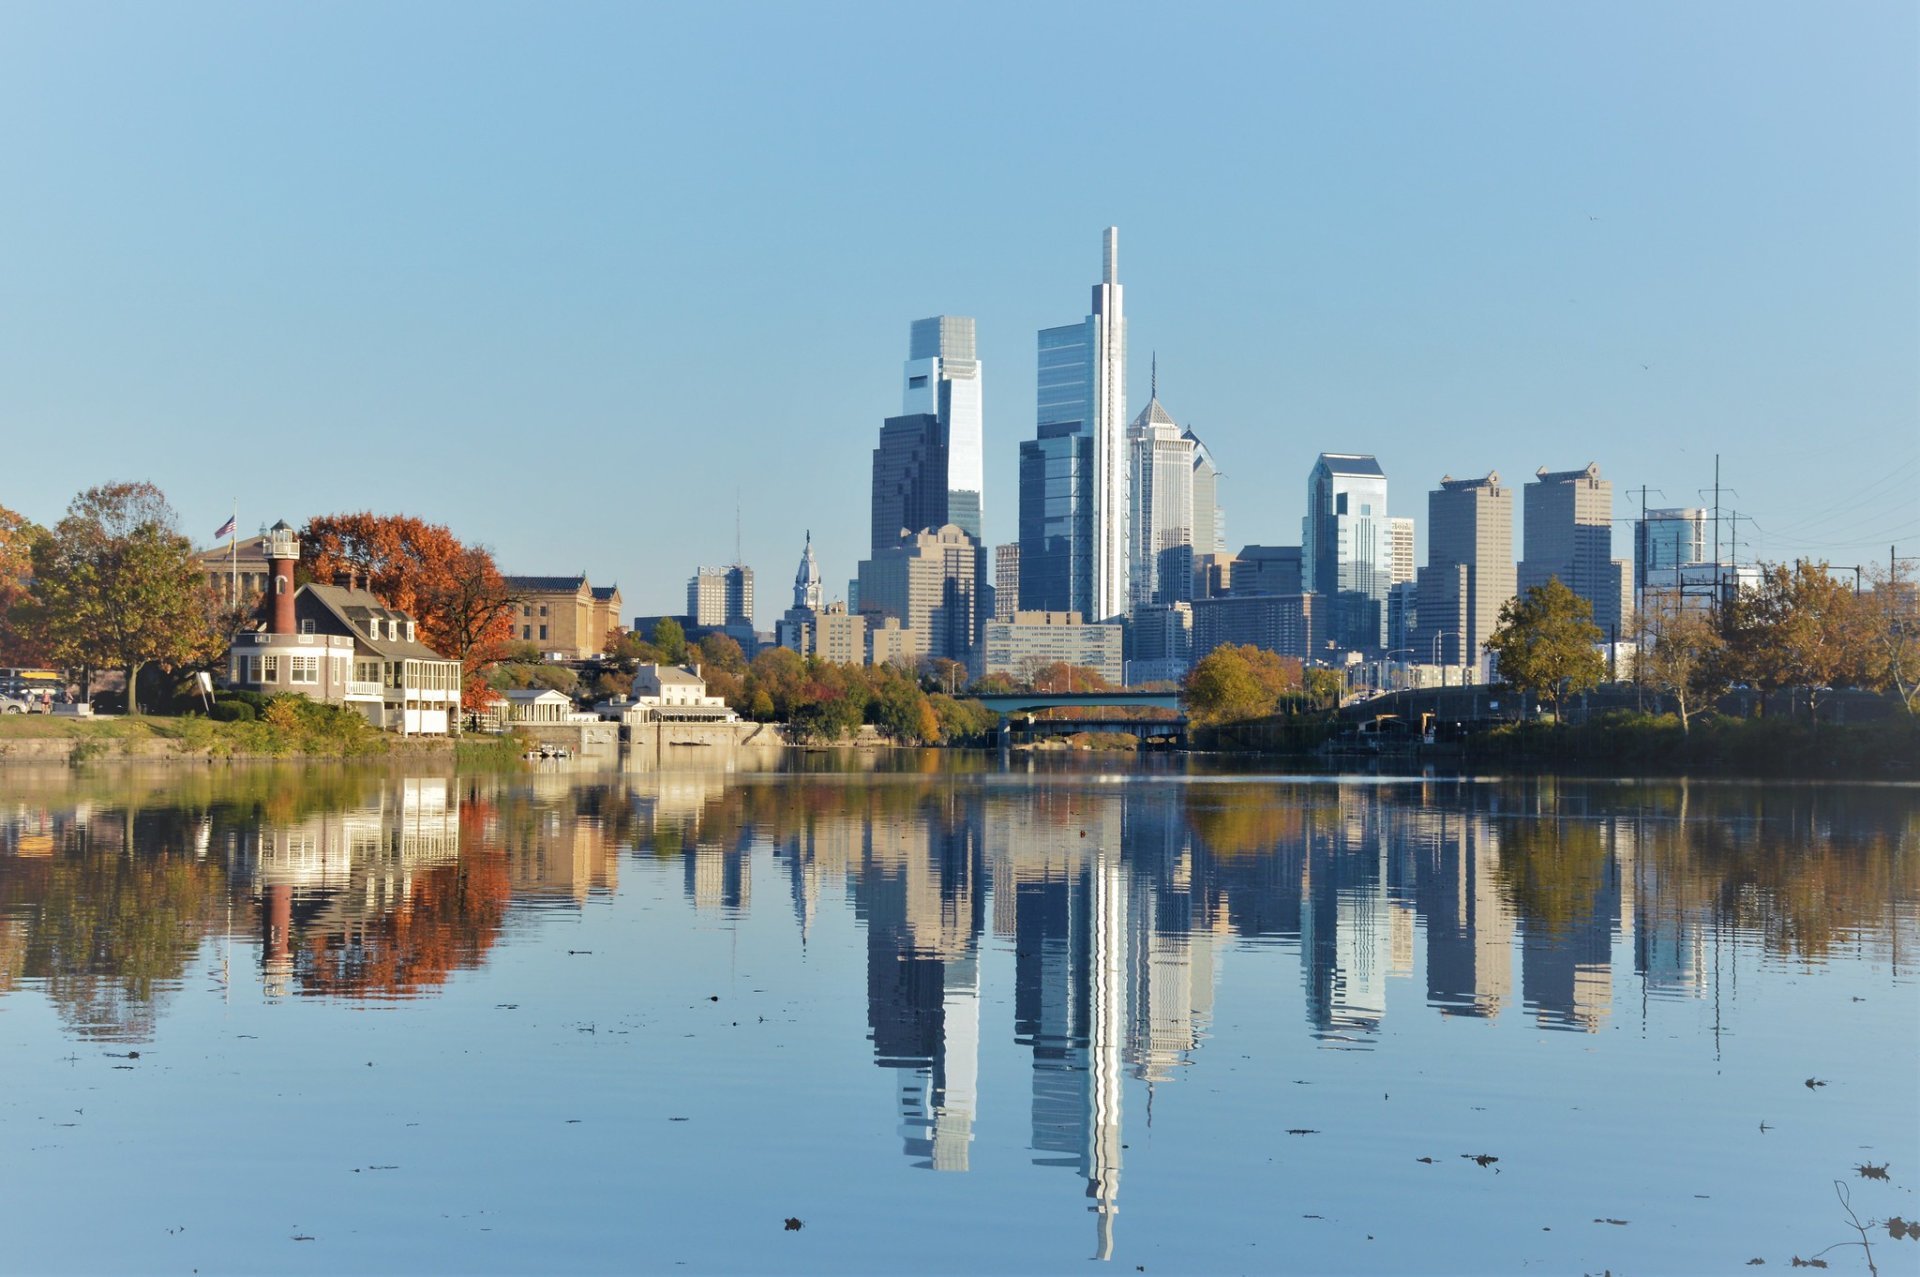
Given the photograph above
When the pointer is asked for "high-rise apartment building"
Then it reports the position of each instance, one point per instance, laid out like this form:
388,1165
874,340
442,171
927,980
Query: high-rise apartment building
1082,389
1347,547
1568,534
721,596
1161,517
1470,572
943,381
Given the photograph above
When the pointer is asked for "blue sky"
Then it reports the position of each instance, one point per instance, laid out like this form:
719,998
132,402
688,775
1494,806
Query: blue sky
574,279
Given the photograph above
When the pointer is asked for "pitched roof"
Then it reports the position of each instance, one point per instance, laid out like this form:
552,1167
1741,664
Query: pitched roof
1154,415
354,608
604,593
545,584
1352,463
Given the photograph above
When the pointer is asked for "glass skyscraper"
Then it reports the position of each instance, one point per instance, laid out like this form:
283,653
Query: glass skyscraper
1056,521
942,380
1346,548
1081,391
1162,515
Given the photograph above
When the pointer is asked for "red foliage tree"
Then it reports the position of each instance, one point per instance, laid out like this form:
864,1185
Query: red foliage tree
453,591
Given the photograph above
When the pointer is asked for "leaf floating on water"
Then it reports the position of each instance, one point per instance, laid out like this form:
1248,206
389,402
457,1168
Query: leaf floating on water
1867,1170
1811,1083
793,1224
1427,1160
1480,1159
1610,1221
1756,1260
1301,1130
1898,1228
1808,1263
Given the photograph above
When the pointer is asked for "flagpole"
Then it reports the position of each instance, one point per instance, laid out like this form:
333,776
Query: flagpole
233,551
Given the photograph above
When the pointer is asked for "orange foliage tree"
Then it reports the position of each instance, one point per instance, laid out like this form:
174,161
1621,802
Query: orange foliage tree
453,591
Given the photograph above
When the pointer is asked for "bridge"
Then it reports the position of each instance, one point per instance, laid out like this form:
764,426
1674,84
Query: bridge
1026,704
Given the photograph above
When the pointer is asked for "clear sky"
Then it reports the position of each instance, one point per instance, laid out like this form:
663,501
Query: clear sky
573,279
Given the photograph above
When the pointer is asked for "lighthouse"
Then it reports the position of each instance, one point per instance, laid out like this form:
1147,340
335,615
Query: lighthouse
283,551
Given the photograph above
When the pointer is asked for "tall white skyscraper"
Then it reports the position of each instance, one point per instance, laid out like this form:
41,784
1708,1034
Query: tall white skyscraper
1163,508
1083,391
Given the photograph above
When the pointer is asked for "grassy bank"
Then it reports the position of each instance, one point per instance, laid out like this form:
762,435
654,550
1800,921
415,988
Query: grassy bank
1627,743
305,730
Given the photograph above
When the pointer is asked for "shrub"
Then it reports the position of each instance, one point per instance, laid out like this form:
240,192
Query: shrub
232,712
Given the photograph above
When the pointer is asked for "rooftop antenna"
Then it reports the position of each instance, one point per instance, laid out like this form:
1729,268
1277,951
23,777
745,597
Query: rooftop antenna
736,527
1154,392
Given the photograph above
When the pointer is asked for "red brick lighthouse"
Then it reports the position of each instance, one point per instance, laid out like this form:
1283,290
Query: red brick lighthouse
283,551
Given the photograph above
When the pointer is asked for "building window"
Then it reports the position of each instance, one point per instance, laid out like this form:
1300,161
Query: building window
269,669
543,629
279,585
303,669
306,625
526,631
409,631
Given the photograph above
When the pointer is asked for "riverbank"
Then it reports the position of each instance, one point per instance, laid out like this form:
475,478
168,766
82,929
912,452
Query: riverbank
40,739
1630,744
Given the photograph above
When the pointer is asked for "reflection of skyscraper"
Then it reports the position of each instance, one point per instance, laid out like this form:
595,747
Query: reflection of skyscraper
1469,922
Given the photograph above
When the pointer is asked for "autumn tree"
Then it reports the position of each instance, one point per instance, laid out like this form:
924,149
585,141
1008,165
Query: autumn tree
1237,682
1890,621
115,585
1546,643
1799,628
1680,652
18,536
454,592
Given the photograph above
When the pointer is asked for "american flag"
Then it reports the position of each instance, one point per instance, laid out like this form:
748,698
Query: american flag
225,529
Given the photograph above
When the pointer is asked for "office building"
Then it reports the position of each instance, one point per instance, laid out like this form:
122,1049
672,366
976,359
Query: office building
1056,520
1161,515
1667,541
1469,574
943,381
1569,534
909,478
1347,547
1082,390
926,581
1209,519
1031,641
1006,581
721,597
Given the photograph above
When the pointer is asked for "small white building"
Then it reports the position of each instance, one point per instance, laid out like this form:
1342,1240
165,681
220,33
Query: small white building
668,694
540,706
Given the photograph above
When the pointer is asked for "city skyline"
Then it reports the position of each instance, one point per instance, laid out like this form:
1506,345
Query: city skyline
1525,267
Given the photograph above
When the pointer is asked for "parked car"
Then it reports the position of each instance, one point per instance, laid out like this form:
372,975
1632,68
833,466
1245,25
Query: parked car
14,705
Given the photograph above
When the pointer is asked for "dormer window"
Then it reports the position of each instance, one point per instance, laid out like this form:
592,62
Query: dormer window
409,631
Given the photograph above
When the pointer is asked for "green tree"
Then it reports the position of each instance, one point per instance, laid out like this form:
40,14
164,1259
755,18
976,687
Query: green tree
720,653
670,639
116,585
1546,644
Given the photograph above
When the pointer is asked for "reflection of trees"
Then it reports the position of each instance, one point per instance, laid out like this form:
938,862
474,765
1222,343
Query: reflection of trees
1555,871
108,932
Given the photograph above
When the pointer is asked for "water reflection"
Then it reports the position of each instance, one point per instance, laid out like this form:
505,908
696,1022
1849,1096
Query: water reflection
1121,905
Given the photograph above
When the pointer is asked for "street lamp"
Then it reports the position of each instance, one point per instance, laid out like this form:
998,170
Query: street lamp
1398,651
1437,636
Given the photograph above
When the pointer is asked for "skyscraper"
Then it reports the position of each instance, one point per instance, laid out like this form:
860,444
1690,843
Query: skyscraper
1209,521
1346,546
1569,534
1161,517
1082,389
1056,520
1469,574
909,478
1006,581
943,381
1400,535
926,581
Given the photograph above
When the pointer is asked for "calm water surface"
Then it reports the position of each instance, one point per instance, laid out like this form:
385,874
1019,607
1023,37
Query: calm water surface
952,1019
